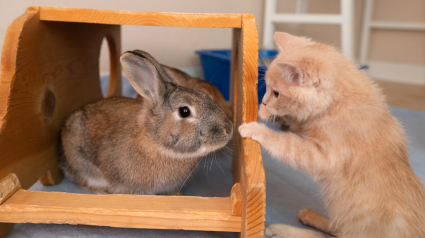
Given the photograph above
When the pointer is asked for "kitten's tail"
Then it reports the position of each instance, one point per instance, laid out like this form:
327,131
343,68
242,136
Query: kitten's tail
314,219
286,231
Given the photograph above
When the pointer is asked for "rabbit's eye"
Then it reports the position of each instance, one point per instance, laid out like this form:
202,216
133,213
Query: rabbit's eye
184,112
276,93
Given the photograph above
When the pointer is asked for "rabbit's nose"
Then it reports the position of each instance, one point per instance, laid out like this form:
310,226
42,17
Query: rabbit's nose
228,130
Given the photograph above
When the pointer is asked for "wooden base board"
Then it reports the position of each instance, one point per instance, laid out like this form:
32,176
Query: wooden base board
118,210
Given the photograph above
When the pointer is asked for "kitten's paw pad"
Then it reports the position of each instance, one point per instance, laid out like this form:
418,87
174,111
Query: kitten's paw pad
285,231
281,231
252,130
272,231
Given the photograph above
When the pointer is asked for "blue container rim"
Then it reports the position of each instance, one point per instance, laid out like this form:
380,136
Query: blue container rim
213,53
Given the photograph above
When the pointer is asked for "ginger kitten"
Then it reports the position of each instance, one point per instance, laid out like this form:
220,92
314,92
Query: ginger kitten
342,134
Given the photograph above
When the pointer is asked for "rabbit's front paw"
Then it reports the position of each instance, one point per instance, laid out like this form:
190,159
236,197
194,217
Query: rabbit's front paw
253,130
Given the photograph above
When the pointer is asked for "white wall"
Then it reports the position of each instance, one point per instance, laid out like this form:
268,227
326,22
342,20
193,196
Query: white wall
175,46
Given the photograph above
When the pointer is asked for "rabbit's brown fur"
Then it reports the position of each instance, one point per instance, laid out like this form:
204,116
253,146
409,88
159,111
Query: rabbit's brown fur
123,145
181,78
342,134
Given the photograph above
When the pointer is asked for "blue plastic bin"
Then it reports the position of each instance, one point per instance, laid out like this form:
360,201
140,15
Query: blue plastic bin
216,67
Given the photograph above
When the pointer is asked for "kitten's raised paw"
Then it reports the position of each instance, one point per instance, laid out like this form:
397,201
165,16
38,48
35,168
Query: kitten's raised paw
253,130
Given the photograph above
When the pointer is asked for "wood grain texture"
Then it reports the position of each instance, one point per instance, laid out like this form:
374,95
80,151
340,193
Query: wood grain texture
48,70
236,199
136,211
252,177
140,18
8,186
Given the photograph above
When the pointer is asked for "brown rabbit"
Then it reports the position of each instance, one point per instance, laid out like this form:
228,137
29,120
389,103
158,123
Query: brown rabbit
181,78
149,146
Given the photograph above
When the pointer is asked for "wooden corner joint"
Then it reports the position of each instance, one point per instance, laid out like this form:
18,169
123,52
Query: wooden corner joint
236,200
8,186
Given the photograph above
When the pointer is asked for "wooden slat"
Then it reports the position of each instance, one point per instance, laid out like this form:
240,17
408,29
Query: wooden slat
252,177
136,211
139,18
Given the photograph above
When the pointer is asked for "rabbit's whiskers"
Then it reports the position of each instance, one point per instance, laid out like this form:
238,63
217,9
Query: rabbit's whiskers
180,190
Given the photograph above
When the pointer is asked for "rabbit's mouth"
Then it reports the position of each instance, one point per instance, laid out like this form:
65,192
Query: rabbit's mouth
201,152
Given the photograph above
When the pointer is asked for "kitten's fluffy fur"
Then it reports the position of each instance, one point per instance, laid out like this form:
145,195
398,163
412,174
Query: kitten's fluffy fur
342,134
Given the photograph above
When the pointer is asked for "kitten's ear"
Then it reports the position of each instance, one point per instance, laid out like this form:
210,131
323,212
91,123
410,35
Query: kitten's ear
291,73
285,41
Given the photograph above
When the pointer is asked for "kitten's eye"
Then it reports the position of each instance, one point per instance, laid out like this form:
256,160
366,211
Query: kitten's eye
184,112
276,93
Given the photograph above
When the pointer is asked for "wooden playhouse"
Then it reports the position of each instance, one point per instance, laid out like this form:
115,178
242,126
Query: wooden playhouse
49,68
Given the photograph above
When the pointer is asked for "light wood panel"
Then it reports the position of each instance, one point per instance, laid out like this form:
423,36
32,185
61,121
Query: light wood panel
140,18
48,70
137,211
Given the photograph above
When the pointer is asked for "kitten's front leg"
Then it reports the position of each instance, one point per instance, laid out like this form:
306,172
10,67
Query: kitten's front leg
299,152
267,137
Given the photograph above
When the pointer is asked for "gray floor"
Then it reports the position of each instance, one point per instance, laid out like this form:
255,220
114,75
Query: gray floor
288,190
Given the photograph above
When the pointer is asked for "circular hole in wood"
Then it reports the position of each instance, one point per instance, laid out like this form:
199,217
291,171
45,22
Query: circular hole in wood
48,104
104,67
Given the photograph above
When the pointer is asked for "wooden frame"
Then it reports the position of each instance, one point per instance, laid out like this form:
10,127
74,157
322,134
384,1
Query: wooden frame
49,68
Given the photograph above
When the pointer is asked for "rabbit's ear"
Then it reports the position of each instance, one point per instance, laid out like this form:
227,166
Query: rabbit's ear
144,76
176,76
172,75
